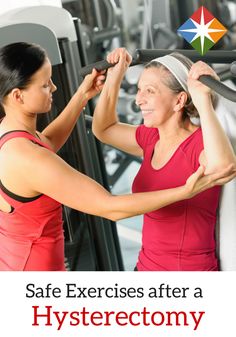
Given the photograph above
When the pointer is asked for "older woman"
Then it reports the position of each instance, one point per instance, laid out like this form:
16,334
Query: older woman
180,236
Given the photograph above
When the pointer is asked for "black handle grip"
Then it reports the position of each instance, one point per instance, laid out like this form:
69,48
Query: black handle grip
218,87
100,65
212,56
146,55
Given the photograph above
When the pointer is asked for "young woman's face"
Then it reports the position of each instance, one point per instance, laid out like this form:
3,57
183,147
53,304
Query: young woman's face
154,98
37,96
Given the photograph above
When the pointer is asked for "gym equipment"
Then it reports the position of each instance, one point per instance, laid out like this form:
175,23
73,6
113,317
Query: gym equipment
99,24
160,23
31,33
146,55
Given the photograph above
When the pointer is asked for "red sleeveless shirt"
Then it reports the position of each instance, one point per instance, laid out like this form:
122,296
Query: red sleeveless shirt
31,235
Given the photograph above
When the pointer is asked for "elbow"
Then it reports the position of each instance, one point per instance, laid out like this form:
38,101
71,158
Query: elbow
229,162
118,217
97,133
94,131
229,165
115,209
114,217
103,132
234,162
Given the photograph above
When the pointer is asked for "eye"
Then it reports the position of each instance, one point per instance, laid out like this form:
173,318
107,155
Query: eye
150,91
48,84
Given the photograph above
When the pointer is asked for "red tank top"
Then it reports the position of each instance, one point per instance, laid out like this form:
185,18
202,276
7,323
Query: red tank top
180,236
31,235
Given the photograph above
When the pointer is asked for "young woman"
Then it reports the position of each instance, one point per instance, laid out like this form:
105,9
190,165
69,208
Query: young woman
179,236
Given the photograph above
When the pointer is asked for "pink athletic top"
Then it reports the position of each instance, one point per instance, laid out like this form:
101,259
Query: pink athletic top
180,236
31,235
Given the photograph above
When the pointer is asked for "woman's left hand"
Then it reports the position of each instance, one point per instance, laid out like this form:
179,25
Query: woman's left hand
92,84
195,87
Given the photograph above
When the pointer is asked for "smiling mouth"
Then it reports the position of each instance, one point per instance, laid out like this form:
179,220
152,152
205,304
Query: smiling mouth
146,112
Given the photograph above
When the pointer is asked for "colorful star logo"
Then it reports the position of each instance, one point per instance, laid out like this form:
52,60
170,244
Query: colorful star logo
202,30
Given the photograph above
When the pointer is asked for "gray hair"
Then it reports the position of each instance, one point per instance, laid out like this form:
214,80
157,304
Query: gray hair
174,84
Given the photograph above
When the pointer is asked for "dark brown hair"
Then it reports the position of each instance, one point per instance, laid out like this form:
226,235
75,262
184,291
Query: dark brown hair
18,63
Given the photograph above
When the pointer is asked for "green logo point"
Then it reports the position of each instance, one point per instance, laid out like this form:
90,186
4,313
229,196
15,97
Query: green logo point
208,44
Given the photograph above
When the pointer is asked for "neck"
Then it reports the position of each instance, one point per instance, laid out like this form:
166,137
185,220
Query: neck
19,121
172,129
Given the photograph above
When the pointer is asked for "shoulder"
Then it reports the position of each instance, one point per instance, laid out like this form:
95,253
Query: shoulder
193,147
44,139
20,160
146,136
19,153
195,139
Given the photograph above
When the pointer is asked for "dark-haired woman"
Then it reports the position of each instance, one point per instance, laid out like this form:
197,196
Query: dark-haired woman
180,236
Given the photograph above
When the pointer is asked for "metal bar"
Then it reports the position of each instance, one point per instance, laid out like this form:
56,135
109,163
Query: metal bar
212,56
146,55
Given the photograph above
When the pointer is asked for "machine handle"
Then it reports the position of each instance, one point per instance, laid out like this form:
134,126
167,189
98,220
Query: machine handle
218,87
146,55
100,65
212,56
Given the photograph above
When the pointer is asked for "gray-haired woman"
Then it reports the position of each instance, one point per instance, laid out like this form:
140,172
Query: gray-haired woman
180,236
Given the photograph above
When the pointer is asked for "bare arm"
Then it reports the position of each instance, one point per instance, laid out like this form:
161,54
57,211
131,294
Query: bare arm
106,125
218,152
58,131
53,177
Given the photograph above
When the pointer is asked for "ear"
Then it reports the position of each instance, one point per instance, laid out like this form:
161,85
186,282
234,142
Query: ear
181,100
17,95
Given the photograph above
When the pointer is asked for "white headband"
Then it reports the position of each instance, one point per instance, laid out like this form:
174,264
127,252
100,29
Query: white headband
176,67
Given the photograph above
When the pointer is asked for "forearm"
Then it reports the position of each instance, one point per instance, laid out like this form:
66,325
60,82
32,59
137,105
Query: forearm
217,148
86,195
125,206
105,114
60,129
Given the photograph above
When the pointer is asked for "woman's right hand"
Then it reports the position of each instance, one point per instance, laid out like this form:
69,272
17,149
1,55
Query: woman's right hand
198,69
91,85
121,60
198,182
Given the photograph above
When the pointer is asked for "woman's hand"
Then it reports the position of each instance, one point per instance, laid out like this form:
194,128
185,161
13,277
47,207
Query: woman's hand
121,60
92,84
198,182
195,87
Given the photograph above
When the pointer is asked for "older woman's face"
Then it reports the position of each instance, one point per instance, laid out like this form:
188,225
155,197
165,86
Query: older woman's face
154,98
